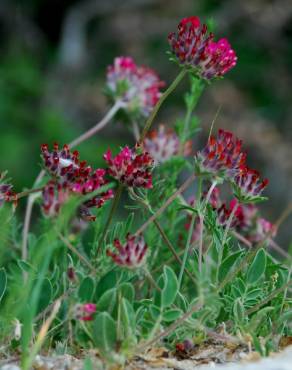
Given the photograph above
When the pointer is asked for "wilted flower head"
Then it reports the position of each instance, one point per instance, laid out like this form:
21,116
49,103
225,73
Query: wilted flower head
162,144
263,230
194,47
54,196
222,156
248,185
85,312
132,254
69,176
136,86
245,214
130,168
250,224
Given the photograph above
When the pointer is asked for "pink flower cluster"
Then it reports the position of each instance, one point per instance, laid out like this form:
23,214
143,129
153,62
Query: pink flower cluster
195,48
223,158
132,254
85,312
130,168
246,220
69,176
162,144
138,87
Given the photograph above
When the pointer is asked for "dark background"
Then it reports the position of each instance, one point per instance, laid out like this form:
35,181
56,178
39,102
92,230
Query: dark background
53,58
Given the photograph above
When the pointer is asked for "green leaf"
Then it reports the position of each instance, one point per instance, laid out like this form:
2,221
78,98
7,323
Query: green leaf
238,311
46,294
257,267
241,286
108,281
154,312
107,301
128,318
228,264
86,289
181,302
171,315
26,267
286,316
104,333
127,291
3,282
258,317
235,292
253,294
170,287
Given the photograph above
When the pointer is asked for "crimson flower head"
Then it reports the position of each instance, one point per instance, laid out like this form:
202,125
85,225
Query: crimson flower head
138,87
70,176
85,312
195,48
62,163
132,254
222,157
162,144
248,185
130,168
6,192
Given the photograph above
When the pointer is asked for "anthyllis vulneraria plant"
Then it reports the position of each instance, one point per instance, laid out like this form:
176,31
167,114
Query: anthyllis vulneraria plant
120,260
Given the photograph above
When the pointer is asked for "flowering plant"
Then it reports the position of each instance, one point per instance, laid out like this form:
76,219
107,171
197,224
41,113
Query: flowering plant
150,265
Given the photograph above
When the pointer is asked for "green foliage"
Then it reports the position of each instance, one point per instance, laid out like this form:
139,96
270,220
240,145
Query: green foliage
3,282
119,310
105,333
257,267
170,287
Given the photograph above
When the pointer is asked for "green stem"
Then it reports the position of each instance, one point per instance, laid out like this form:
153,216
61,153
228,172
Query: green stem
227,228
151,280
180,190
229,222
201,226
186,130
111,214
187,249
161,231
163,97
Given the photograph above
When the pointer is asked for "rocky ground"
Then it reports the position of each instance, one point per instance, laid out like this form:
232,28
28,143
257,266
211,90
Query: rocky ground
207,358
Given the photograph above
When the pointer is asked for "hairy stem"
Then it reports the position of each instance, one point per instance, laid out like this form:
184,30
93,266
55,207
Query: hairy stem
229,222
268,298
181,189
187,249
172,249
163,97
162,233
76,252
151,280
99,126
28,192
111,215
171,327
201,227
136,131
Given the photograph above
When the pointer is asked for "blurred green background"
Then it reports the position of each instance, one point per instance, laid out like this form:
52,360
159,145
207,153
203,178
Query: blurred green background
53,58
